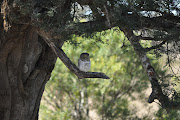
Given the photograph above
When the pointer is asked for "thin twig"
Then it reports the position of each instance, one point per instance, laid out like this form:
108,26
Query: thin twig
155,47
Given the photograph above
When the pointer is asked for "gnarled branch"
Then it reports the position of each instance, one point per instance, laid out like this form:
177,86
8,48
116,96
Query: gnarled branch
156,87
69,64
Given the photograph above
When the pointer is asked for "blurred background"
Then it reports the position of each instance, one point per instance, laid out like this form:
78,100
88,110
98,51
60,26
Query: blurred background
122,97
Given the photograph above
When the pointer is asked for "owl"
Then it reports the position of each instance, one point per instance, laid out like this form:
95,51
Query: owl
84,62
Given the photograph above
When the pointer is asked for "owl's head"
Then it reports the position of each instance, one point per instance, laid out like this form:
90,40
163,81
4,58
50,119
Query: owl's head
84,57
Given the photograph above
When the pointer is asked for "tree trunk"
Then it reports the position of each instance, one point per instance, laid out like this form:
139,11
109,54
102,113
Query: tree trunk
26,63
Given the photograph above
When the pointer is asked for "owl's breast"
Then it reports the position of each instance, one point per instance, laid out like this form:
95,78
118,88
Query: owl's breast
84,65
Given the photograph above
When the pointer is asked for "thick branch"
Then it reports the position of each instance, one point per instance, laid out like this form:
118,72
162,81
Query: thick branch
73,68
89,27
156,88
157,23
69,64
86,27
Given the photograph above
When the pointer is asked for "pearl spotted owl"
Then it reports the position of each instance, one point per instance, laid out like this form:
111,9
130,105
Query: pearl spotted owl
84,62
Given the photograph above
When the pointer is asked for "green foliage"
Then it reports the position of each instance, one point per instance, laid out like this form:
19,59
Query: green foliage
67,97
172,115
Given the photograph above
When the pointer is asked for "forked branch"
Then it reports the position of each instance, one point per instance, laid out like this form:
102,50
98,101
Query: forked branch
157,92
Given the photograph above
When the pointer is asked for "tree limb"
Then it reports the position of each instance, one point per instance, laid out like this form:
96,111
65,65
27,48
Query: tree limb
155,47
69,64
157,23
145,38
156,88
73,68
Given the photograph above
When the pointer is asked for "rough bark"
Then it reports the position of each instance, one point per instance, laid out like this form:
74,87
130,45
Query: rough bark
157,92
26,63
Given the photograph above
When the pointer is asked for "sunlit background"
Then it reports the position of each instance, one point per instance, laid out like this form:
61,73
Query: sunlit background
124,96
